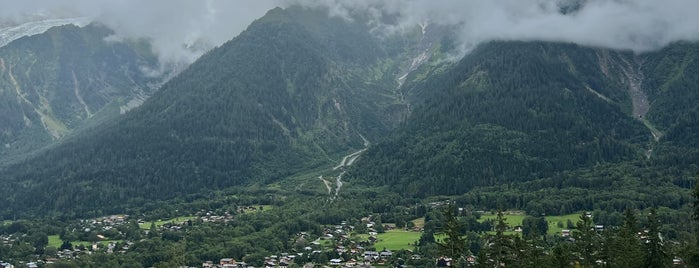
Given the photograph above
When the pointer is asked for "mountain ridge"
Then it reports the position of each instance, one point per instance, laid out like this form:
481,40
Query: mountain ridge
298,90
60,80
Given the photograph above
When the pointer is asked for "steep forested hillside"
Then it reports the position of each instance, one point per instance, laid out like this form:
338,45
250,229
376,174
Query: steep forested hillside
672,77
292,92
298,90
509,111
55,82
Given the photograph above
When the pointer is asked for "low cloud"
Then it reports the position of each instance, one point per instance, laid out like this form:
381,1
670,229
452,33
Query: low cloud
638,25
181,30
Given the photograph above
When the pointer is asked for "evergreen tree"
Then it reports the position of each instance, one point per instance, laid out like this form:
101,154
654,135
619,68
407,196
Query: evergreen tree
656,253
695,194
624,248
499,249
587,241
454,244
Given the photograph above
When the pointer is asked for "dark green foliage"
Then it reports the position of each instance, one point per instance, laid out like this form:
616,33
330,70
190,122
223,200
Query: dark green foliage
587,241
288,94
656,255
533,227
454,244
508,111
624,247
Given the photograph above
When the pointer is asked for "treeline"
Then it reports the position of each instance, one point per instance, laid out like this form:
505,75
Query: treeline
637,241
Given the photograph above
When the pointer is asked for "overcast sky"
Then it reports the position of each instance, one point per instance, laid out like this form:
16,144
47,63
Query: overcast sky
640,25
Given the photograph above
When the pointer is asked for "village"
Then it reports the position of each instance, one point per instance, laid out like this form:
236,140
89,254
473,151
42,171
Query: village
338,246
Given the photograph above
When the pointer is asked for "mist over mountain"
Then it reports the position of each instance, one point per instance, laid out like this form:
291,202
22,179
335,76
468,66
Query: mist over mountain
175,27
67,78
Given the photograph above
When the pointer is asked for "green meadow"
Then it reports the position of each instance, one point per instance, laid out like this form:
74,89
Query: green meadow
158,223
397,240
55,241
516,218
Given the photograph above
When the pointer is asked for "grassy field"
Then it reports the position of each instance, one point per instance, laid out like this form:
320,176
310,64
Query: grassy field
257,208
553,222
55,241
514,219
146,225
6,223
397,240
511,219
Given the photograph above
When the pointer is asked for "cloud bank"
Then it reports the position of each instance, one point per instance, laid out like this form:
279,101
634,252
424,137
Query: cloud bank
181,29
638,25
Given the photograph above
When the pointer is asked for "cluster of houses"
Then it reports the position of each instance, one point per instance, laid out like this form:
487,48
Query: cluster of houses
7,240
103,223
335,241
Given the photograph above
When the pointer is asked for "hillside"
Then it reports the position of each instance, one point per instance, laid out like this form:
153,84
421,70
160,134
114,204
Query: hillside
513,112
64,79
299,93
293,92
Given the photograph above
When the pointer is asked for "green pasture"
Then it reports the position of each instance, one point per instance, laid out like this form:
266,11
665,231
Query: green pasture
158,223
55,241
516,218
257,208
396,240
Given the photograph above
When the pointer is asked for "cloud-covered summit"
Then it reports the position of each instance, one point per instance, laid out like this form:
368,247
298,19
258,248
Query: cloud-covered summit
177,27
638,25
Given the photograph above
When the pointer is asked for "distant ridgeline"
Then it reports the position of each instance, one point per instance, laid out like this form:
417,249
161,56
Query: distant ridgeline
298,90
65,79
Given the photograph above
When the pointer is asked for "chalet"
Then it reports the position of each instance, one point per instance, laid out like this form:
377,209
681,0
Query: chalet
599,228
32,265
225,261
675,261
443,262
335,262
565,233
371,255
6,265
386,254
471,259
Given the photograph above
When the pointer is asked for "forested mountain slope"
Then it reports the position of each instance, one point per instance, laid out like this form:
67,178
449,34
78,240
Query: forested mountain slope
294,91
57,81
672,81
517,111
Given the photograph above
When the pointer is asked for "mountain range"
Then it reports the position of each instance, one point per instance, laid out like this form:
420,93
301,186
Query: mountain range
298,90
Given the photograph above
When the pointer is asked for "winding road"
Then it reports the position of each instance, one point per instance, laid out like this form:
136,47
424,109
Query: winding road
346,161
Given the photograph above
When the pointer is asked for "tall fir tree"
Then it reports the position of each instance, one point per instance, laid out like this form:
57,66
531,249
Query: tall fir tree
656,253
454,244
623,247
587,241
